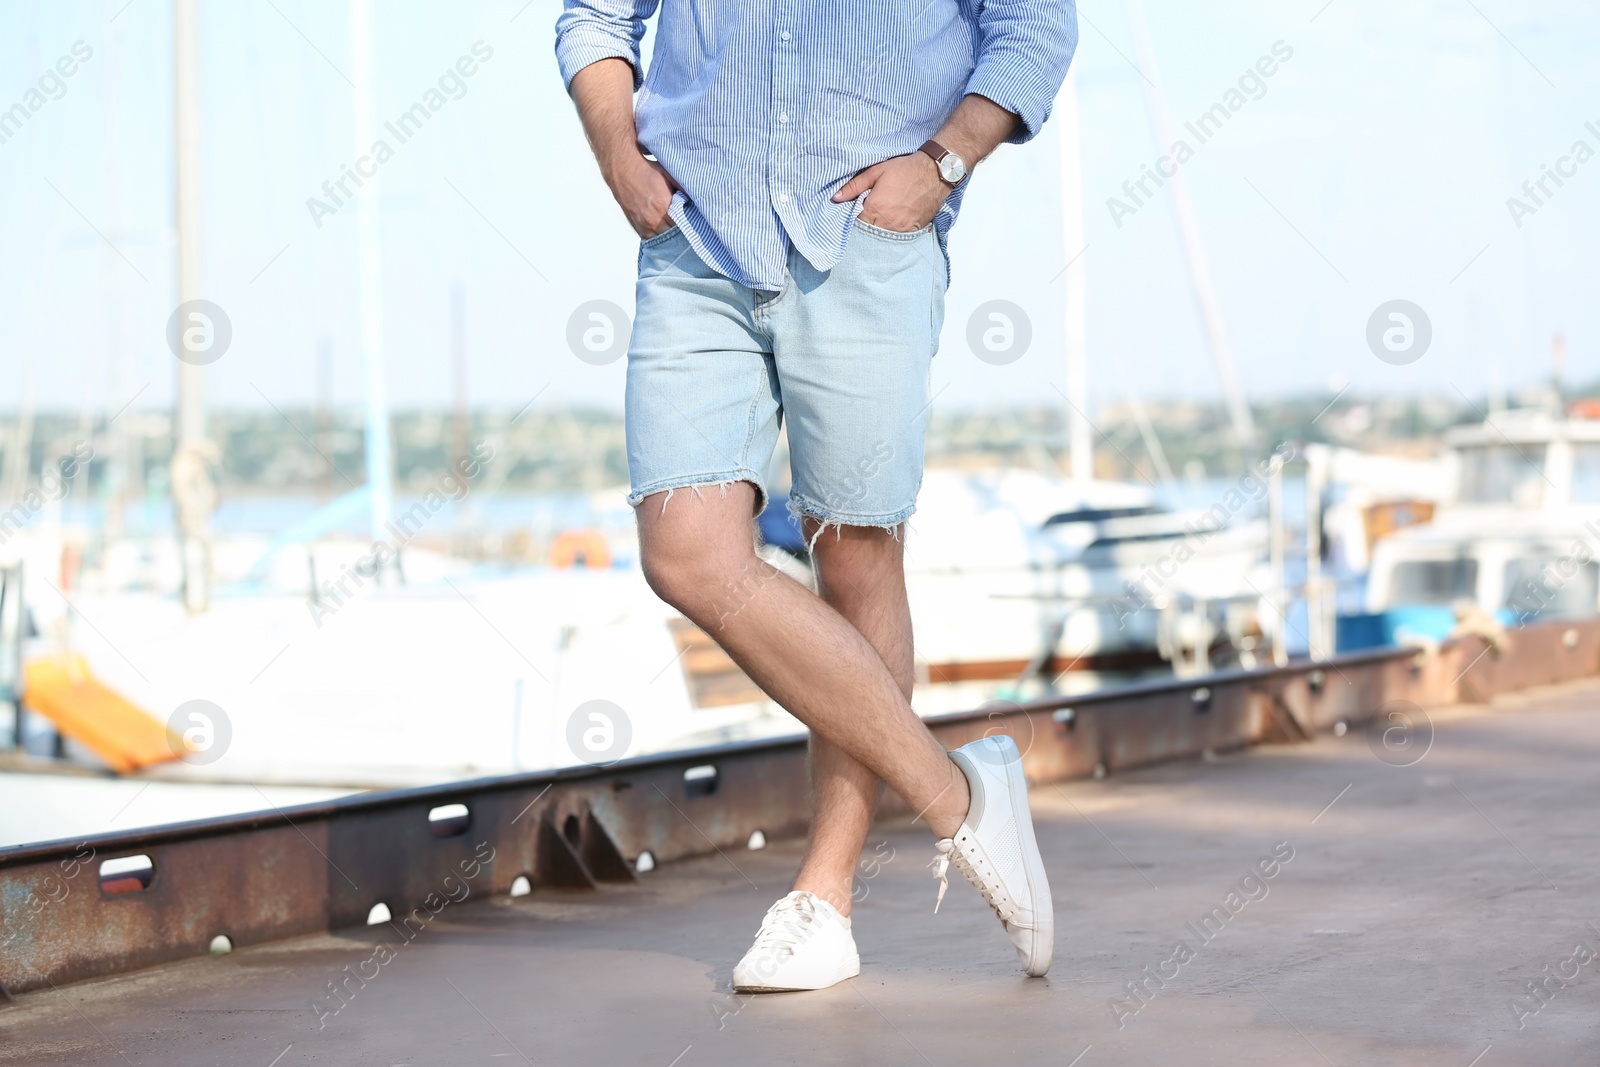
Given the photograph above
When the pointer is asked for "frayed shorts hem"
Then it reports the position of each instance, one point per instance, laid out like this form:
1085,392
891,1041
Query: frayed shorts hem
697,482
801,508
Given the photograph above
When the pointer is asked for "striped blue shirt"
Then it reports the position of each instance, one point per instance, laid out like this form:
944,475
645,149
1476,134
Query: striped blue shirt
762,109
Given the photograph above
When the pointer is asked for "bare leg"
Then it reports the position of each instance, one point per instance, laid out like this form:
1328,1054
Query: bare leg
861,574
698,553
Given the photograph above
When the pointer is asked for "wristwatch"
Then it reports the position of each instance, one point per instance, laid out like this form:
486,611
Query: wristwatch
952,168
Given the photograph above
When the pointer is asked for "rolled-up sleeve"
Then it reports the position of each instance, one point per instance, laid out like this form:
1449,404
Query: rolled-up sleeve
588,31
1024,47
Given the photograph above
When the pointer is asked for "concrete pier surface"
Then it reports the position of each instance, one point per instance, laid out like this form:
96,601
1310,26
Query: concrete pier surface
1427,904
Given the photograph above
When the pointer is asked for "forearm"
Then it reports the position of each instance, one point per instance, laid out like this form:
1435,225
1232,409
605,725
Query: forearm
977,127
603,94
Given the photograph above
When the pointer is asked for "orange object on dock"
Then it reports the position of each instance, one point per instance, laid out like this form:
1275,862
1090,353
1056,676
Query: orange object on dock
127,737
574,545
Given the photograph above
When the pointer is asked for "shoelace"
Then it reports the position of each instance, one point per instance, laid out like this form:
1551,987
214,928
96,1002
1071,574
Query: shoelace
941,871
986,881
788,923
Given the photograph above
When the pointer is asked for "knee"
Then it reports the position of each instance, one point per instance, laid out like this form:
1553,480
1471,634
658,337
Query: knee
684,576
706,582
665,572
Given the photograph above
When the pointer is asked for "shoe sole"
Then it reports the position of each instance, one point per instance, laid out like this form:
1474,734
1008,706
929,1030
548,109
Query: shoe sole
1042,953
848,971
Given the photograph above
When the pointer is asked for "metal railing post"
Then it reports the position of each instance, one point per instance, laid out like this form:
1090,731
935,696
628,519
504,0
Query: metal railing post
1280,654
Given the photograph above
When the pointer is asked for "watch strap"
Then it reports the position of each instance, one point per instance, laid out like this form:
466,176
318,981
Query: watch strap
934,150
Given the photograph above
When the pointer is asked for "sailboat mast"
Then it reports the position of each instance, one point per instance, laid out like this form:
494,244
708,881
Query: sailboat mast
192,495
369,238
1080,443
1189,230
191,375
460,414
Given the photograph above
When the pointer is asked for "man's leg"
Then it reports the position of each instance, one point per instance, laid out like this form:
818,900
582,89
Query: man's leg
698,554
861,574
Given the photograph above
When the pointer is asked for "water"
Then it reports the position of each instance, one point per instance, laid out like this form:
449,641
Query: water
269,514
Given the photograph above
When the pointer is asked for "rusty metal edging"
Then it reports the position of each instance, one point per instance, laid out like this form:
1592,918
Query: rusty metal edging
322,866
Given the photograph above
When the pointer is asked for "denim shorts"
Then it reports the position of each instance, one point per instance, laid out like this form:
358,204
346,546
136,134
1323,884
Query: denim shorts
714,368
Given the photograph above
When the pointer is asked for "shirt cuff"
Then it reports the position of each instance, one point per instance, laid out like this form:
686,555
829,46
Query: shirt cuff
582,45
1019,86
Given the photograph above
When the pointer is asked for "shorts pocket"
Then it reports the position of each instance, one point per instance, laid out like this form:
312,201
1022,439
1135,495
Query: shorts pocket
892,235
660,237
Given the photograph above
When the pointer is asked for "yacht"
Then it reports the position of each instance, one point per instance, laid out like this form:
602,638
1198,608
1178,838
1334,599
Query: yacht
1515,539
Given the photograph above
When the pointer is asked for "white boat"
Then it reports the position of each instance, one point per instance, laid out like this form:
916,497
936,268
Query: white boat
1024,579
1515,538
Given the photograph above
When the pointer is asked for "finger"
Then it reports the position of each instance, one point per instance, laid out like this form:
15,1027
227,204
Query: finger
859,184
855,186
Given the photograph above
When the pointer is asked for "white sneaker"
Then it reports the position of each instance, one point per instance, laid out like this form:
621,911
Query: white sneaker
996,850
803,943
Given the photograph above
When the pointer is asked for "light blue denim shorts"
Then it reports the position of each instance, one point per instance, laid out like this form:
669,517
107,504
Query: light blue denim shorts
714,369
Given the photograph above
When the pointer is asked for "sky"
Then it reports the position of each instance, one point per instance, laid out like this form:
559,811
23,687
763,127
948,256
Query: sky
1374,164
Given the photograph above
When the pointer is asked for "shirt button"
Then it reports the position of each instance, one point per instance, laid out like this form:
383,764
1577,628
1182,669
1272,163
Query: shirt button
784,36
783,198
783,117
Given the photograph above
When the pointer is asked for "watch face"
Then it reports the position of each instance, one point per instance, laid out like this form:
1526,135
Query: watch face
952,168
